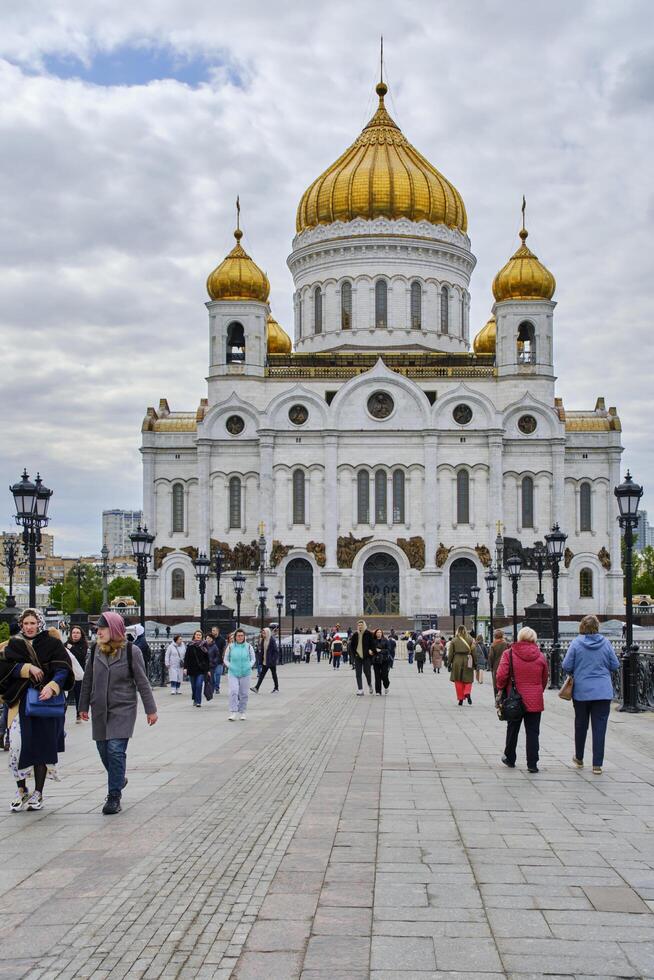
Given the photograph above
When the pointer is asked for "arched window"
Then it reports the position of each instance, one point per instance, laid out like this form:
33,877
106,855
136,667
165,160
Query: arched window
398,497
234,502
177,582
317,310
463,497
445,310
416,306
178,507
346,306
527,502
298,497
585,508
299,316
380,497
586,583
526,343
235,342
381,303
363,497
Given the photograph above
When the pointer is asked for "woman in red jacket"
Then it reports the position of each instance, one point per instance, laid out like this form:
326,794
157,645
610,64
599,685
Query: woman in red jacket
530,674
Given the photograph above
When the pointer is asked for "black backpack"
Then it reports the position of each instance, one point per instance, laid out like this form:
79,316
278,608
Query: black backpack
130,665
511,707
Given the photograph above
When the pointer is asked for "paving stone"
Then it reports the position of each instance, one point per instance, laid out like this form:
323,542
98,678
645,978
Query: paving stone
614,899
268,966
328,953
395,953
342,921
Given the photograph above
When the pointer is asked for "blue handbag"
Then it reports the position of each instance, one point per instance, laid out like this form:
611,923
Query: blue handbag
54,707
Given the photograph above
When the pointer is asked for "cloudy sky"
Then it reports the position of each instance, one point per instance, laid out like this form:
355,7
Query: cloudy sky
127,130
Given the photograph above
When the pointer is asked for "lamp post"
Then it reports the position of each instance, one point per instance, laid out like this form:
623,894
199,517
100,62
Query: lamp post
292,605
474,595
453,609
464,598
279,599
10,562
555,544
239,585
499,556
31,501
628,495
262,590
105,570
513,565
217,567
142,543
540,560
491,581
202,566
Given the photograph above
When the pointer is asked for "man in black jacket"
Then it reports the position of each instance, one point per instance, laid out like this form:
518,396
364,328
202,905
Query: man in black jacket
362,649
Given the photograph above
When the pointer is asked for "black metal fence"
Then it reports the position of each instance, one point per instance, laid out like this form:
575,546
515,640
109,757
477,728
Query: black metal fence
645,669
158,673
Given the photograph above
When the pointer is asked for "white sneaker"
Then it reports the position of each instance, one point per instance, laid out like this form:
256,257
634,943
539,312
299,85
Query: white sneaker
19,801
243,716
232,718
359,694
35,801
369,688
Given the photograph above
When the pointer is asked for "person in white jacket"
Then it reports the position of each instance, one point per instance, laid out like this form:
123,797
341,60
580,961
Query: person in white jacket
175,663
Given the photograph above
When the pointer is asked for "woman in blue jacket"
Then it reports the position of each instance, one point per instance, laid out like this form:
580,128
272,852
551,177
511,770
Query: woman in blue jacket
591,660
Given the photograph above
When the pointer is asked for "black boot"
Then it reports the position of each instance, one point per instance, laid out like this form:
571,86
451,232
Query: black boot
112,804
469,700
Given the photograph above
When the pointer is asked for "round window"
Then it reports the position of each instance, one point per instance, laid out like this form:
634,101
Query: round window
462,414
380,405
527,424
235,425
298,414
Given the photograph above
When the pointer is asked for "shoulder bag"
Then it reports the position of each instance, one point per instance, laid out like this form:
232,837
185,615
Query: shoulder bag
54,707
511,707
566,691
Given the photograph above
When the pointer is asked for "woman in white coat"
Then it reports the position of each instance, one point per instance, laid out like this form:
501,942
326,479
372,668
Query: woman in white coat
175,663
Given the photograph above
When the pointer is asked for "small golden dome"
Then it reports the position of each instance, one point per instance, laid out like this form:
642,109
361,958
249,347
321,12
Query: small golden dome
484,342
381,175
523,276
238,277
277,340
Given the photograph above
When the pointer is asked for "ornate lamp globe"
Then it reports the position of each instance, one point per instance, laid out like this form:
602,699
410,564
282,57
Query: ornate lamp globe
555,542
142,542
24,494
201,565
475,592
292,605
42,500
239,582
490,578
628,495
514,565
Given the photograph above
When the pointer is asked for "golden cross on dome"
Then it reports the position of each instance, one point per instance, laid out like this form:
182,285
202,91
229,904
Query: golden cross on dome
238,212
524,208
381,59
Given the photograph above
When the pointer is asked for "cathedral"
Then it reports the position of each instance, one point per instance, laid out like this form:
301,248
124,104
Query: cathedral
382,450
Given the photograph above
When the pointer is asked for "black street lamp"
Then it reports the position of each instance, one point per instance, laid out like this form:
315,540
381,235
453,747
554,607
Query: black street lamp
142,543
474,595
31,501
499,564
464,598
513,566
262,590
628,495
453,609
491,581
239,585
540,561
202,566
555,544
10,562
279,599
105,570
217,567
292,605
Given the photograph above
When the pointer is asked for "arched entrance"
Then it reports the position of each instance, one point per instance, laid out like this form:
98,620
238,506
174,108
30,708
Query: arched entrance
463,574
299,586
381,586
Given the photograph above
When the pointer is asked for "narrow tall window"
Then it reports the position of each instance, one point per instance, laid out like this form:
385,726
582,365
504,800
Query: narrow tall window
317,310
527,502
462,497
526,352
299,316
445,310
416,306
178,507
363,497
586,583
346,306
381,303
177,584
235,342
234,502
398,497
585,508
298,497
380,497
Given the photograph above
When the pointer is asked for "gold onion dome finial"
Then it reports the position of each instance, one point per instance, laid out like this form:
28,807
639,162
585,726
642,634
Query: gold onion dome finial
486,339
277,340
238,277
381,175
523,276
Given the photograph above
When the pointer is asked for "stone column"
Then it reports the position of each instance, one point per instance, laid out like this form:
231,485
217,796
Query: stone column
204,497
430,498
149,499
496,485
266,485
330,496
558,484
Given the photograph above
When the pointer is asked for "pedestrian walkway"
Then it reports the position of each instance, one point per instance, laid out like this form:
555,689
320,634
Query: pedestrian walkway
331,837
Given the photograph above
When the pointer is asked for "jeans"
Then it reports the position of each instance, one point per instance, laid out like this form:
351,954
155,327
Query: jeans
197,684
336,662
597,713
113,752
410,656
239,692
217,674
273,671
531,721
381,676
77,690
359,666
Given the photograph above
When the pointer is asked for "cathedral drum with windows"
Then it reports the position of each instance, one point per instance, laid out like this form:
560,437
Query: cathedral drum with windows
382,450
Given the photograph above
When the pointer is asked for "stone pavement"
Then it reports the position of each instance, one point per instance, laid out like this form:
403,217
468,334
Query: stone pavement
331,837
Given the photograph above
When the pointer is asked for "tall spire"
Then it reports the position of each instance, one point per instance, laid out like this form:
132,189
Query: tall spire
523,232
238,234
381,88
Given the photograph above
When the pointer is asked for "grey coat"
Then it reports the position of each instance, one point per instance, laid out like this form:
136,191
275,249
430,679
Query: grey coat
111,693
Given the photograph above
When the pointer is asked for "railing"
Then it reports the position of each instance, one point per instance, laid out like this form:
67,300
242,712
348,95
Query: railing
645,669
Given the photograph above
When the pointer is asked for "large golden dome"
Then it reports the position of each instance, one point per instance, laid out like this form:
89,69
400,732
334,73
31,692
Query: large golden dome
238,277
277,340
523,276
381,175
486,339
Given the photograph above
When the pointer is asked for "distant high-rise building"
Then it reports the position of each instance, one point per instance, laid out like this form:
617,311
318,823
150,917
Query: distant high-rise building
117,525
47,541
643,533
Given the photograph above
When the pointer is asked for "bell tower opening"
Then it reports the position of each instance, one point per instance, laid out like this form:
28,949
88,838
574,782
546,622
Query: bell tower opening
235,343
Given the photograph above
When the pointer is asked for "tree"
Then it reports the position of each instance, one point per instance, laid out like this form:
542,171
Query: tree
64,595
4,632
644,571
3,597
124,585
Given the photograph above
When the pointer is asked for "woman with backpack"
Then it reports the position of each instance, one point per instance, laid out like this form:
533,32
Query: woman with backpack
381,661
524,667
196,666
420,654
462,659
